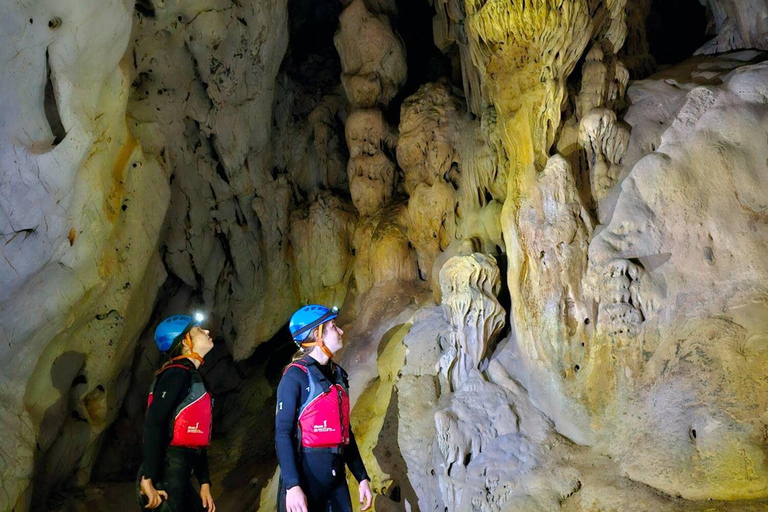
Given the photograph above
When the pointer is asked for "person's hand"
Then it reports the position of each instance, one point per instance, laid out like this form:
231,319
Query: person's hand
366,496
155,497
205,495
295,501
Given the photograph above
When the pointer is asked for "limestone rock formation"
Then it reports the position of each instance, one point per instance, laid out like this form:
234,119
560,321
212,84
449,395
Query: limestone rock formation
653,247
605,142
552,282
382,250
205,82
456,181
374,72
449,28
308,139
431,222
321,236
469,286
739,24
82,208
371,173
430,127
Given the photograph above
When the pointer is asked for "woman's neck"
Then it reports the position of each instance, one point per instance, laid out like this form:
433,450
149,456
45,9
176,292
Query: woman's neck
319,356
194,361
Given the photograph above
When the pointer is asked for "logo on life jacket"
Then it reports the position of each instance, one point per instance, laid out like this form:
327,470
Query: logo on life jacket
194,429
324,427
324,416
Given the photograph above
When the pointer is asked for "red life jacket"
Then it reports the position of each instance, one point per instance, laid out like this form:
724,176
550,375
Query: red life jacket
192,421
324,416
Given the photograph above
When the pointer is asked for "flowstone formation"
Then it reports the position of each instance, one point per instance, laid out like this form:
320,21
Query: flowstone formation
622,374
469,285
82,207
678,306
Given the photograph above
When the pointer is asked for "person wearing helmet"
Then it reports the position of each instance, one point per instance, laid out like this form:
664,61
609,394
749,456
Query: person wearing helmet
313,436
177,428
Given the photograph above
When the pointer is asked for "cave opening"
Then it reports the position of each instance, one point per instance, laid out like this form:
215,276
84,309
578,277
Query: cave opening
311,58
675,29
426,63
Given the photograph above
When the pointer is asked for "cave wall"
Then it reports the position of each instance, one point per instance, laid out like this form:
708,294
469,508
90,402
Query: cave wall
205,79
83,207
550,302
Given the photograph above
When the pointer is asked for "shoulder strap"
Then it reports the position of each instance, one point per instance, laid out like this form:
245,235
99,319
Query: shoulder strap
172,366
161,371
341,375
297,365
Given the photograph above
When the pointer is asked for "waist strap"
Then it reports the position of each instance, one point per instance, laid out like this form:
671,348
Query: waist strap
338,450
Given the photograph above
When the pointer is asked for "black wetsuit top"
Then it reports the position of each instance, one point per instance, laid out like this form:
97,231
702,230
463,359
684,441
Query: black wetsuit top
319,473
171,389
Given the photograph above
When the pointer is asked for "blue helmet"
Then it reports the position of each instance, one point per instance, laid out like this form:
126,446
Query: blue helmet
173,329
307,318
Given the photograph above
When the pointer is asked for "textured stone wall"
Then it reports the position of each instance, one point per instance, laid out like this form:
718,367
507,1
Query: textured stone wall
82,207
552,277
205,76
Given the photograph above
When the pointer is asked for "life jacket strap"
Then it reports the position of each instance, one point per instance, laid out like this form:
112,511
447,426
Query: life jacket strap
319,343
337,450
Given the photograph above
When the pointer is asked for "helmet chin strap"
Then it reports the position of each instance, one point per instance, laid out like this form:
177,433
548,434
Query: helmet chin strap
192,354
319,343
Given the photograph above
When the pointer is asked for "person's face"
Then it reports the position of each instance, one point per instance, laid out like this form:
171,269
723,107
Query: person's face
332,334
202,342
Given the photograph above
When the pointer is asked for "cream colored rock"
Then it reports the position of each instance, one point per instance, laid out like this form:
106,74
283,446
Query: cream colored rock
526,84
617,89
448,28
371,182
469,287
437,146
373,73
483,224
555,228
459,247
670,250
603,83
430,130
483,163
739,24
308,137
594,82
327,142
202,104
368,133
371,173
382,250
82,210
605,142
498,451
321,236
431,222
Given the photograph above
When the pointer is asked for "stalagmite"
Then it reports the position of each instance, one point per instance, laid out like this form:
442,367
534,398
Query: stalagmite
374,72
430,127
371,173
470,285
605,142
